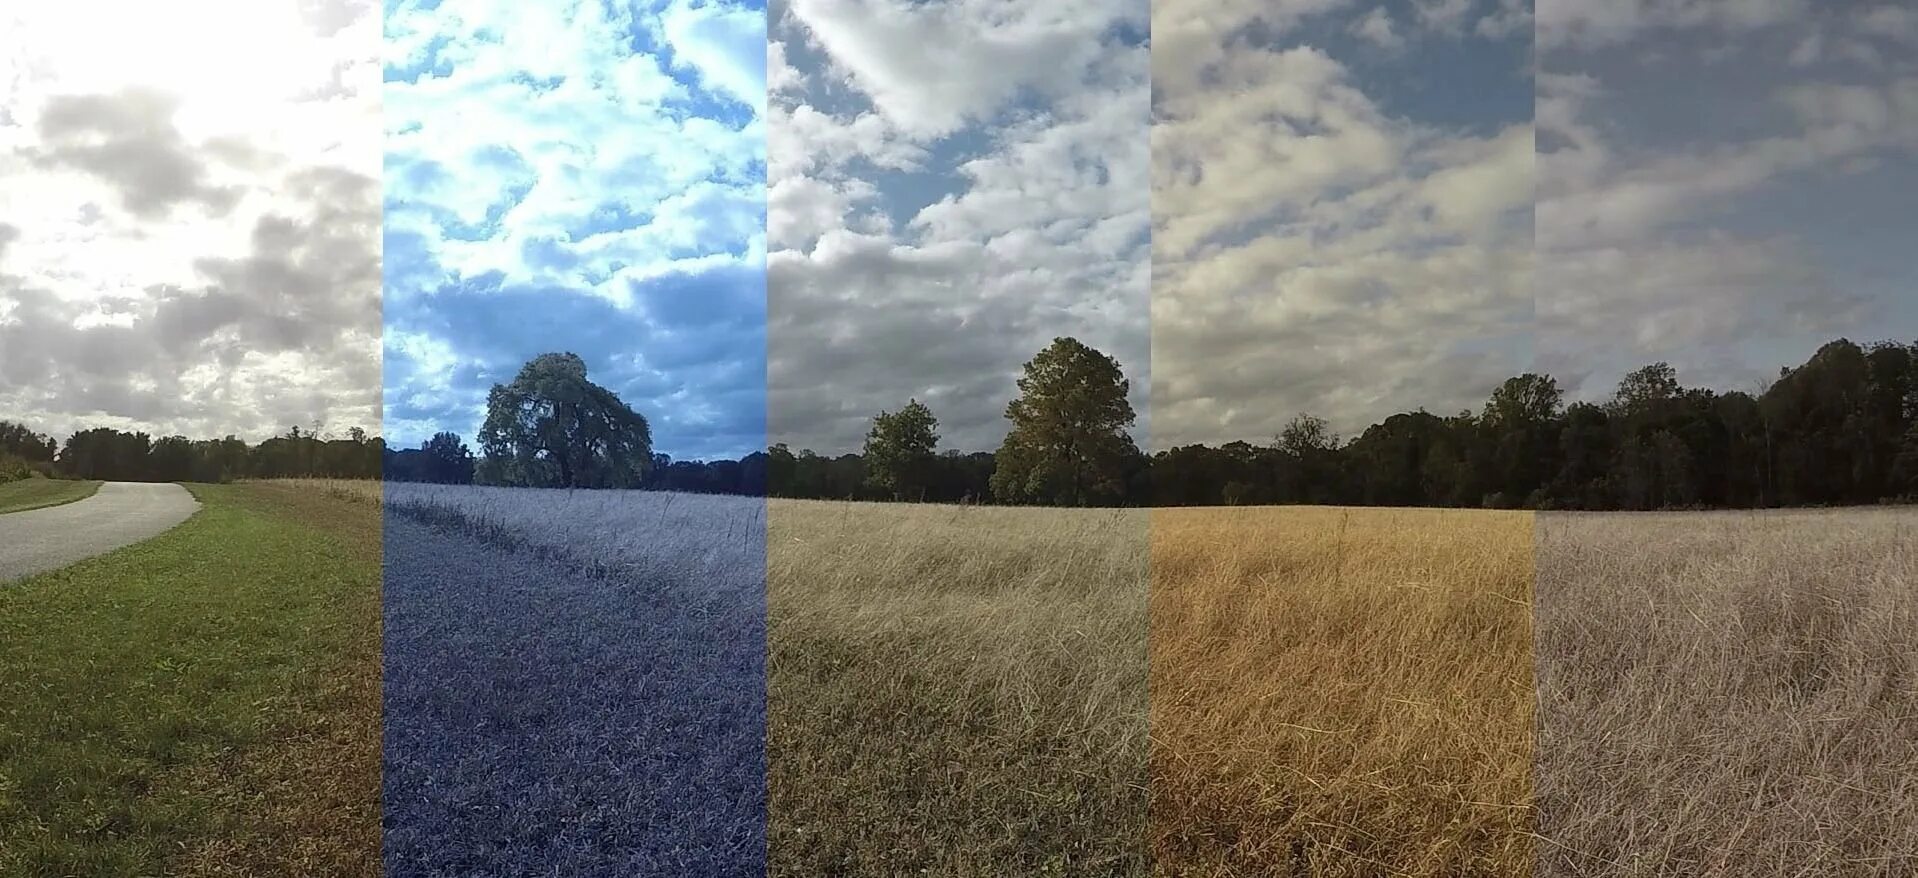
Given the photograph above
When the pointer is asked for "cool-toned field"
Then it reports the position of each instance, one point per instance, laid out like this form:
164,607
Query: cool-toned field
1341,692
203,703
1728,694
573,683
956,691
24,494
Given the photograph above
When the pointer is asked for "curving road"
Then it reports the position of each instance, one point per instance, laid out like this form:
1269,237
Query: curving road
121,514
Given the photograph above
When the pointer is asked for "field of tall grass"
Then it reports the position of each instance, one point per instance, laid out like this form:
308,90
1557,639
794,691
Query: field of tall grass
956,691
1728,694
574,682
1341,692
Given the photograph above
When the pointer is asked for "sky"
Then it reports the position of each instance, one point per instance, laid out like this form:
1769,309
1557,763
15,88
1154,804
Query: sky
189,221
1341,211
1723,186
950,187
571,175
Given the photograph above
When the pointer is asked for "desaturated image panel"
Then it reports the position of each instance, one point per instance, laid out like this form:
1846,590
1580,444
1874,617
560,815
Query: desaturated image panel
957,343
575,409
1728,294
1342,330
189,335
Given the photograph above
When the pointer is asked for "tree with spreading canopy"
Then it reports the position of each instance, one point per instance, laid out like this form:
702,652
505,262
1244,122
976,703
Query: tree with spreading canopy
1068,445
901,451
552,428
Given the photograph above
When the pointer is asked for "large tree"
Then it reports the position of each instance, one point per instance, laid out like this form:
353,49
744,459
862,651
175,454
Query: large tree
552,428
901,451
1068,445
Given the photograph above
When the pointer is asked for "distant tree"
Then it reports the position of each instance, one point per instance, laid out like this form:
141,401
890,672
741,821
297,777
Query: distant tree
448,460
551,427
1068,444
901,451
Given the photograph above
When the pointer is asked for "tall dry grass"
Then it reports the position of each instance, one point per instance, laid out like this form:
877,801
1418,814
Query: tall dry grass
350,490
1728,694
1341,692
956,691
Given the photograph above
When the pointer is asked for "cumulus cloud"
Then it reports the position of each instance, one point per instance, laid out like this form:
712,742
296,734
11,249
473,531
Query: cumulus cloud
190,248
1316,252
574,176
950,187
1704,216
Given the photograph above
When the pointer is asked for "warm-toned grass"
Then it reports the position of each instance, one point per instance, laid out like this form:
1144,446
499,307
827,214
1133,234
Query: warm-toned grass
206,702
1728,694
36,493
352,490
1341,692
956,691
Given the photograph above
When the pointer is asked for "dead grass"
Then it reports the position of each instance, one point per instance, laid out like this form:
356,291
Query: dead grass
1728,694
351,490
956,691
1341,692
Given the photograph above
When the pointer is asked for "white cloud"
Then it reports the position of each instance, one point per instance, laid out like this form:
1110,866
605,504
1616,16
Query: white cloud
197,214
1377,27
1312,252
1022,214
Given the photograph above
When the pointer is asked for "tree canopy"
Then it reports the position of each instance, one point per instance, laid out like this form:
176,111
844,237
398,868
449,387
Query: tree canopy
552,428
900,451
1068,444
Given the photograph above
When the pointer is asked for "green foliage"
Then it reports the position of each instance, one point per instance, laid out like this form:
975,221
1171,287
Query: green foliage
1068,445
552,428
900,451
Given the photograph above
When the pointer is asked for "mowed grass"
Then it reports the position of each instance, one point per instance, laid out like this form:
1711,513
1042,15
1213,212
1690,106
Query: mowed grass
1341,692
1728,694
25,494
956,691
203,703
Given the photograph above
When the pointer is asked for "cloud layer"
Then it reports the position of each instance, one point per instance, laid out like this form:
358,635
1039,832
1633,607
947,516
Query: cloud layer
950,187
564,177
1325,241
184,249
1715,185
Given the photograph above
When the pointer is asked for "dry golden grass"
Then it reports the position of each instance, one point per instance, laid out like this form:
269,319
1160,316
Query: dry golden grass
956,691
1728,694
1341,692
352,490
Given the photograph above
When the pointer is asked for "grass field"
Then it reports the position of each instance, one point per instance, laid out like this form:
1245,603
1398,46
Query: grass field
1726,694
204,703
25,494
956,691
574,682
1341,692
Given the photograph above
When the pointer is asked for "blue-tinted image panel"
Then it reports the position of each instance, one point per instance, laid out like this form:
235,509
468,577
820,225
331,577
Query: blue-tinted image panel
575,417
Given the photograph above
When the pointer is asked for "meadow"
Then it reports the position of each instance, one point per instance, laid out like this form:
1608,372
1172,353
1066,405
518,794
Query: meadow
573,682
203,703
21,495
1341,692
1728,694
956,691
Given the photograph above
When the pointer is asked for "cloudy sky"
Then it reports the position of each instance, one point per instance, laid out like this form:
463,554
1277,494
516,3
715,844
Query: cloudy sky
572,175
1341,208
951,186
1723,185
189,221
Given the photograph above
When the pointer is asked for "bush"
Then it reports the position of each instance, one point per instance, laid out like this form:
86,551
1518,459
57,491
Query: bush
14,468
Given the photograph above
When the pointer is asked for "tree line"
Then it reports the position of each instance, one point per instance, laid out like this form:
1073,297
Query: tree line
1841,428
118,455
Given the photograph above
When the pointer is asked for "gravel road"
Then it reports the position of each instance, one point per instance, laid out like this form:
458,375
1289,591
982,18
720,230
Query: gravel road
121,514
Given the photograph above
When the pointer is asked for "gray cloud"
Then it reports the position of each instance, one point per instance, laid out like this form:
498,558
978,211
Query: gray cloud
173,263
129,140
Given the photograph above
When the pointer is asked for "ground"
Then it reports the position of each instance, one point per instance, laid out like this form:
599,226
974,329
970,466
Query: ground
25,494
203,703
